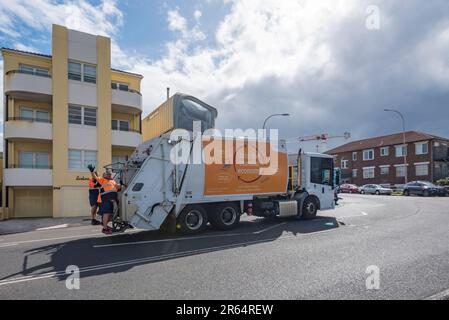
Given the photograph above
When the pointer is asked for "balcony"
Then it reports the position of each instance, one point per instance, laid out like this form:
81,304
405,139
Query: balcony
129,139
122,100
26,128
14,176
28,86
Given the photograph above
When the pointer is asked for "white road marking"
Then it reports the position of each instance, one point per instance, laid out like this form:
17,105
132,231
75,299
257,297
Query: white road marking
95,235
150,259
59,226
187,238
362,214
439,296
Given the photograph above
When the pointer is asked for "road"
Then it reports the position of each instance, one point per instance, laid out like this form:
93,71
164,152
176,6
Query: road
406,238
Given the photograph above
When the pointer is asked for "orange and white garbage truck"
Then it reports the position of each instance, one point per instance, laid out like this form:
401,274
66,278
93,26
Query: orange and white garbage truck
200,178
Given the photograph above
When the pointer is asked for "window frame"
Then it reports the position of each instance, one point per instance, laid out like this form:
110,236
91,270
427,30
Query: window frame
426,143
344,163
82,75
384,154
368,150
369,169
83,115
119,127
118,86
402,147
422,165
354,156
82,160
34,155
34,117
382,172
35,70
400,166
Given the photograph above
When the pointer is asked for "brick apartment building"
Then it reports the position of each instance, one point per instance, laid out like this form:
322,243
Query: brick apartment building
380,160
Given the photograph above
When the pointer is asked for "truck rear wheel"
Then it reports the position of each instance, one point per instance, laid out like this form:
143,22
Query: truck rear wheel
225,216
193,219
309,208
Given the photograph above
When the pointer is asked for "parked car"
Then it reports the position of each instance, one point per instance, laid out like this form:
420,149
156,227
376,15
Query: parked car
375,189
349,188
423,188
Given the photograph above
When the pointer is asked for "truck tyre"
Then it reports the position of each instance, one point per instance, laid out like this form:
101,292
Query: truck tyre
192,219
225,216
309,208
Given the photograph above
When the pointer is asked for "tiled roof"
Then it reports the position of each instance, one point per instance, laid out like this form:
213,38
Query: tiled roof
49,56
392,139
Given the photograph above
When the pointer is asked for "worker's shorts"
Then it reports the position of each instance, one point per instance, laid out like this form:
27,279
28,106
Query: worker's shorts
106,205
93,197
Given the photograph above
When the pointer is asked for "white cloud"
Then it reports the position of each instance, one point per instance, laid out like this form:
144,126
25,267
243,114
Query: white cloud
21,46
314,59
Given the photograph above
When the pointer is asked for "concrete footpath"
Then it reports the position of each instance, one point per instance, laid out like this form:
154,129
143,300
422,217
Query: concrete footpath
32,224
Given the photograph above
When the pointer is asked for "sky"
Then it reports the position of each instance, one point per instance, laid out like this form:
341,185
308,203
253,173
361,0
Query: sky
333,65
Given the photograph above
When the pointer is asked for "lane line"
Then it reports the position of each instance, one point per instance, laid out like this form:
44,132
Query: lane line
94,235
444,295
59,226
187,238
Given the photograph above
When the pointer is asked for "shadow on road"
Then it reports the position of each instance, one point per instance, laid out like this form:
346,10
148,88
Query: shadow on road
120,253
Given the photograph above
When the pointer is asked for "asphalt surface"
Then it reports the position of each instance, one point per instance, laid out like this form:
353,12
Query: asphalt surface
406,238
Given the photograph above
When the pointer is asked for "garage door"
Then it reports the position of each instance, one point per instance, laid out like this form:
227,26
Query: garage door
33,203
75,202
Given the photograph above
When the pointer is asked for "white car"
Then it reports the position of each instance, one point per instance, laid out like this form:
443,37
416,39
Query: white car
375,189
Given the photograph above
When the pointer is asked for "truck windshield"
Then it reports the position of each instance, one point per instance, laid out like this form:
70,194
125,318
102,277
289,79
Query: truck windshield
321,170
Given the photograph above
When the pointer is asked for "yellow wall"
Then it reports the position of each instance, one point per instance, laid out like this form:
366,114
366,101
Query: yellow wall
29,146
60,111
134,119
104,101
159,121
17,104
132,81
122,152
12,60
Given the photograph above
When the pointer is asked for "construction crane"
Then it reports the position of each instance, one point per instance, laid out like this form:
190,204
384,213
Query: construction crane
319,137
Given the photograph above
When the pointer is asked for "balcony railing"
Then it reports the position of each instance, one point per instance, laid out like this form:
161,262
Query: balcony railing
28,119
21,166
33,73
127,130
124,89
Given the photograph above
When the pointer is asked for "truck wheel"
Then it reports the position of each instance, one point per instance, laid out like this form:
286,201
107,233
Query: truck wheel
226,216
192,219
309,208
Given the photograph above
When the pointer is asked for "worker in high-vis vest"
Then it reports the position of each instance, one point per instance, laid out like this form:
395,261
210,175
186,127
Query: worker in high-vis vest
94,191
108,196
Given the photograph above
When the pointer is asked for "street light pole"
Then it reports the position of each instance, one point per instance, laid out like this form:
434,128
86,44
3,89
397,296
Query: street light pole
403,138
274,115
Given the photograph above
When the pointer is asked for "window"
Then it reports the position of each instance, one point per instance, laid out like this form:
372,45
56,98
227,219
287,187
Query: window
34,114
321,170
120,86
384,170
368,154
90,73
421,169
75,71
384,151
82,72
421,148
344,164
368,173
401,151
400,171
354,173
37,71
34,160
121,125
354,156
82,115
80,159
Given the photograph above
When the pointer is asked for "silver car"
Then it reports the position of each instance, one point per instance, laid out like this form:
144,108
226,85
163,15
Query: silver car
375,189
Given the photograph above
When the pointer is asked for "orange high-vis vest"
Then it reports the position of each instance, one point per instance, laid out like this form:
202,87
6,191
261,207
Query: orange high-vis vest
92,183
106,187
